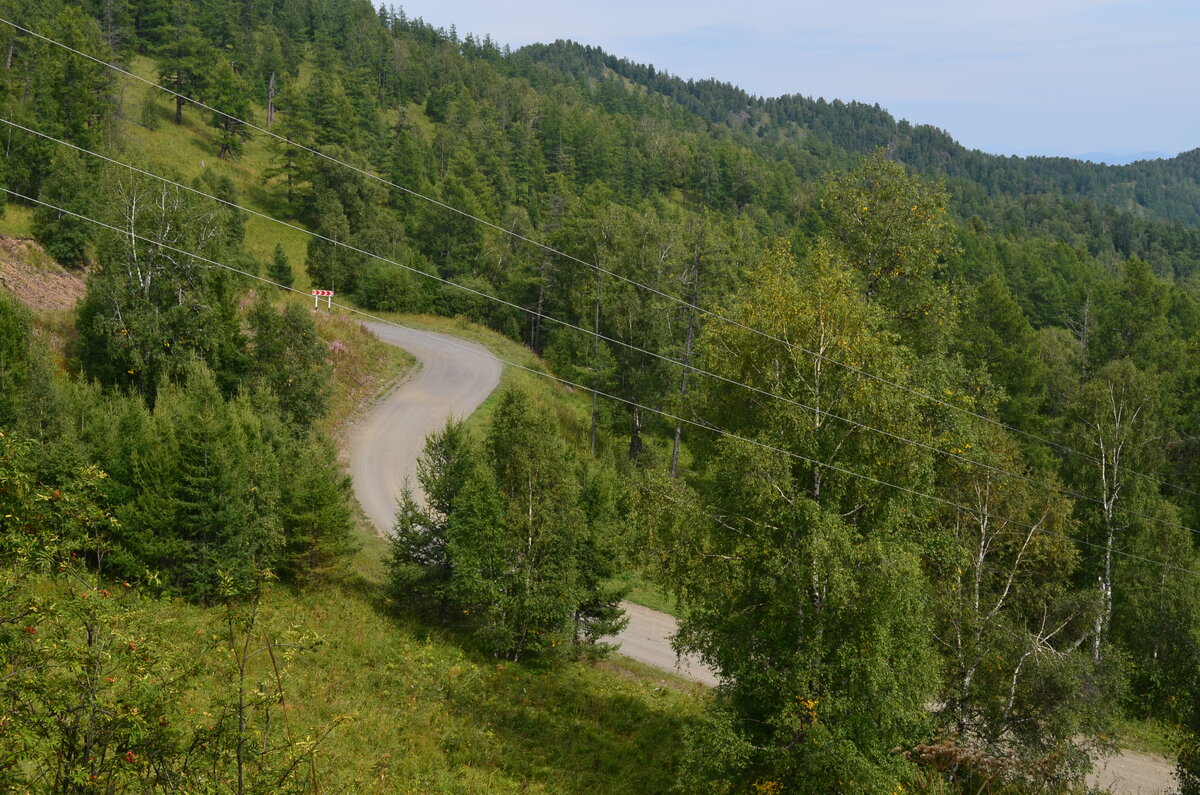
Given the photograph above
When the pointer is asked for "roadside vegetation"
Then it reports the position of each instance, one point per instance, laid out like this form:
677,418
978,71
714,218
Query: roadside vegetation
908,449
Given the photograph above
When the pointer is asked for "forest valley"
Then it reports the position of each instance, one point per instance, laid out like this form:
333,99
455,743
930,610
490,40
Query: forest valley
908,433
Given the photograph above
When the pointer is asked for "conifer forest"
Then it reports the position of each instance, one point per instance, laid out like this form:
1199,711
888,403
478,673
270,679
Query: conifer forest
905,436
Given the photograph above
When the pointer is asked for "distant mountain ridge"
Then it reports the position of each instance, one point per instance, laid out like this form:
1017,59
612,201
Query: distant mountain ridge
1164,188
1123,158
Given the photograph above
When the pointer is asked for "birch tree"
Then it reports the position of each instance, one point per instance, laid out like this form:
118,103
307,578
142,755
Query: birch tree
802,584
1012,623
1115,427
150,308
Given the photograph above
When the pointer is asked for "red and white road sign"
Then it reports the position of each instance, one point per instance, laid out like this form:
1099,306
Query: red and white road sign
326,294
322,293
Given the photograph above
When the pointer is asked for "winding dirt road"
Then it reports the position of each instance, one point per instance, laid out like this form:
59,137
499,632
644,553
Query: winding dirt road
455,376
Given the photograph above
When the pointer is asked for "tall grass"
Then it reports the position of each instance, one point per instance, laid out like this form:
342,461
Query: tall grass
412,708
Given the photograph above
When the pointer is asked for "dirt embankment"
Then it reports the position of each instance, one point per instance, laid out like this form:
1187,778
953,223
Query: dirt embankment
36,279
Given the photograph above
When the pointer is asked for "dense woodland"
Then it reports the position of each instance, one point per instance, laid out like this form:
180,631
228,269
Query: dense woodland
909,432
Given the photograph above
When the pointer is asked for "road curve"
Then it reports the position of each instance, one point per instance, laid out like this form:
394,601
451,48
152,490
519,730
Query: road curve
455,376
647,639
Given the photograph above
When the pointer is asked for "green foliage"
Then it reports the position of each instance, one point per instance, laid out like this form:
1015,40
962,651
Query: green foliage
815,307
149,309
794,560
513,537
212,491
16,339
92,685
891,227
1021,688
385,287
842,664
289,360
69,185
274,689
49,89
1133,323
186,59
421,564
330,266
84,695
280,269
1114,422
1187,769
315,515
209,510
289,162
229,93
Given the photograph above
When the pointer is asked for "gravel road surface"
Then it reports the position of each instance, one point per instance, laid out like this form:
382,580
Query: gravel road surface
455,376
1134,773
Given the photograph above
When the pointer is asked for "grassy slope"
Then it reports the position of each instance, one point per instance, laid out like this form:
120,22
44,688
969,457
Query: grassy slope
572,408
446,718
416,708
16,221
419,709
187,150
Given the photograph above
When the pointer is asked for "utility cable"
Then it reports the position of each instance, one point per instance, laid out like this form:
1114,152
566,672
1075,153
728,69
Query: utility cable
564,382
595,334
599,269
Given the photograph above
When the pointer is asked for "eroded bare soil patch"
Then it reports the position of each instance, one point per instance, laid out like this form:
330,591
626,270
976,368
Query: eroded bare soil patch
39,282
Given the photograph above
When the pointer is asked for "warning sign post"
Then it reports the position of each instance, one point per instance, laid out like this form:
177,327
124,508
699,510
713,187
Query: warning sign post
326,294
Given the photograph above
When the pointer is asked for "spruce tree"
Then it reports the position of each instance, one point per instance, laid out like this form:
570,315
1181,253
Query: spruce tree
185,59
290,361
68,185
280,269
16,334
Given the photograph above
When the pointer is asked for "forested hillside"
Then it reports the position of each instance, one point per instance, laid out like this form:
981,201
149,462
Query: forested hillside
1165,188
908,432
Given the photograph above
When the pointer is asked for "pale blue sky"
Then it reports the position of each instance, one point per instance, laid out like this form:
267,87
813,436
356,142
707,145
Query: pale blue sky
1069,77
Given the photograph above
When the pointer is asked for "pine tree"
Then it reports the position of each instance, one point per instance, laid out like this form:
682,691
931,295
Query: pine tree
421,562
186,60
515,536
290,361
330,266
280,269
70,186
230,94
315,515
996,334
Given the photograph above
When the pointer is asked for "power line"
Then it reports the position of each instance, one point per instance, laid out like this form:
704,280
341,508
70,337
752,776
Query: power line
595,334
550,376
599,269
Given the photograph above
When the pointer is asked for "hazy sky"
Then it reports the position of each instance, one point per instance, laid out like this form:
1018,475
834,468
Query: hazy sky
1070,77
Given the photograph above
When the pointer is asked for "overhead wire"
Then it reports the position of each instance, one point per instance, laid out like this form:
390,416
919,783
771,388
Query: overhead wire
961,458
1036,528
599,269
